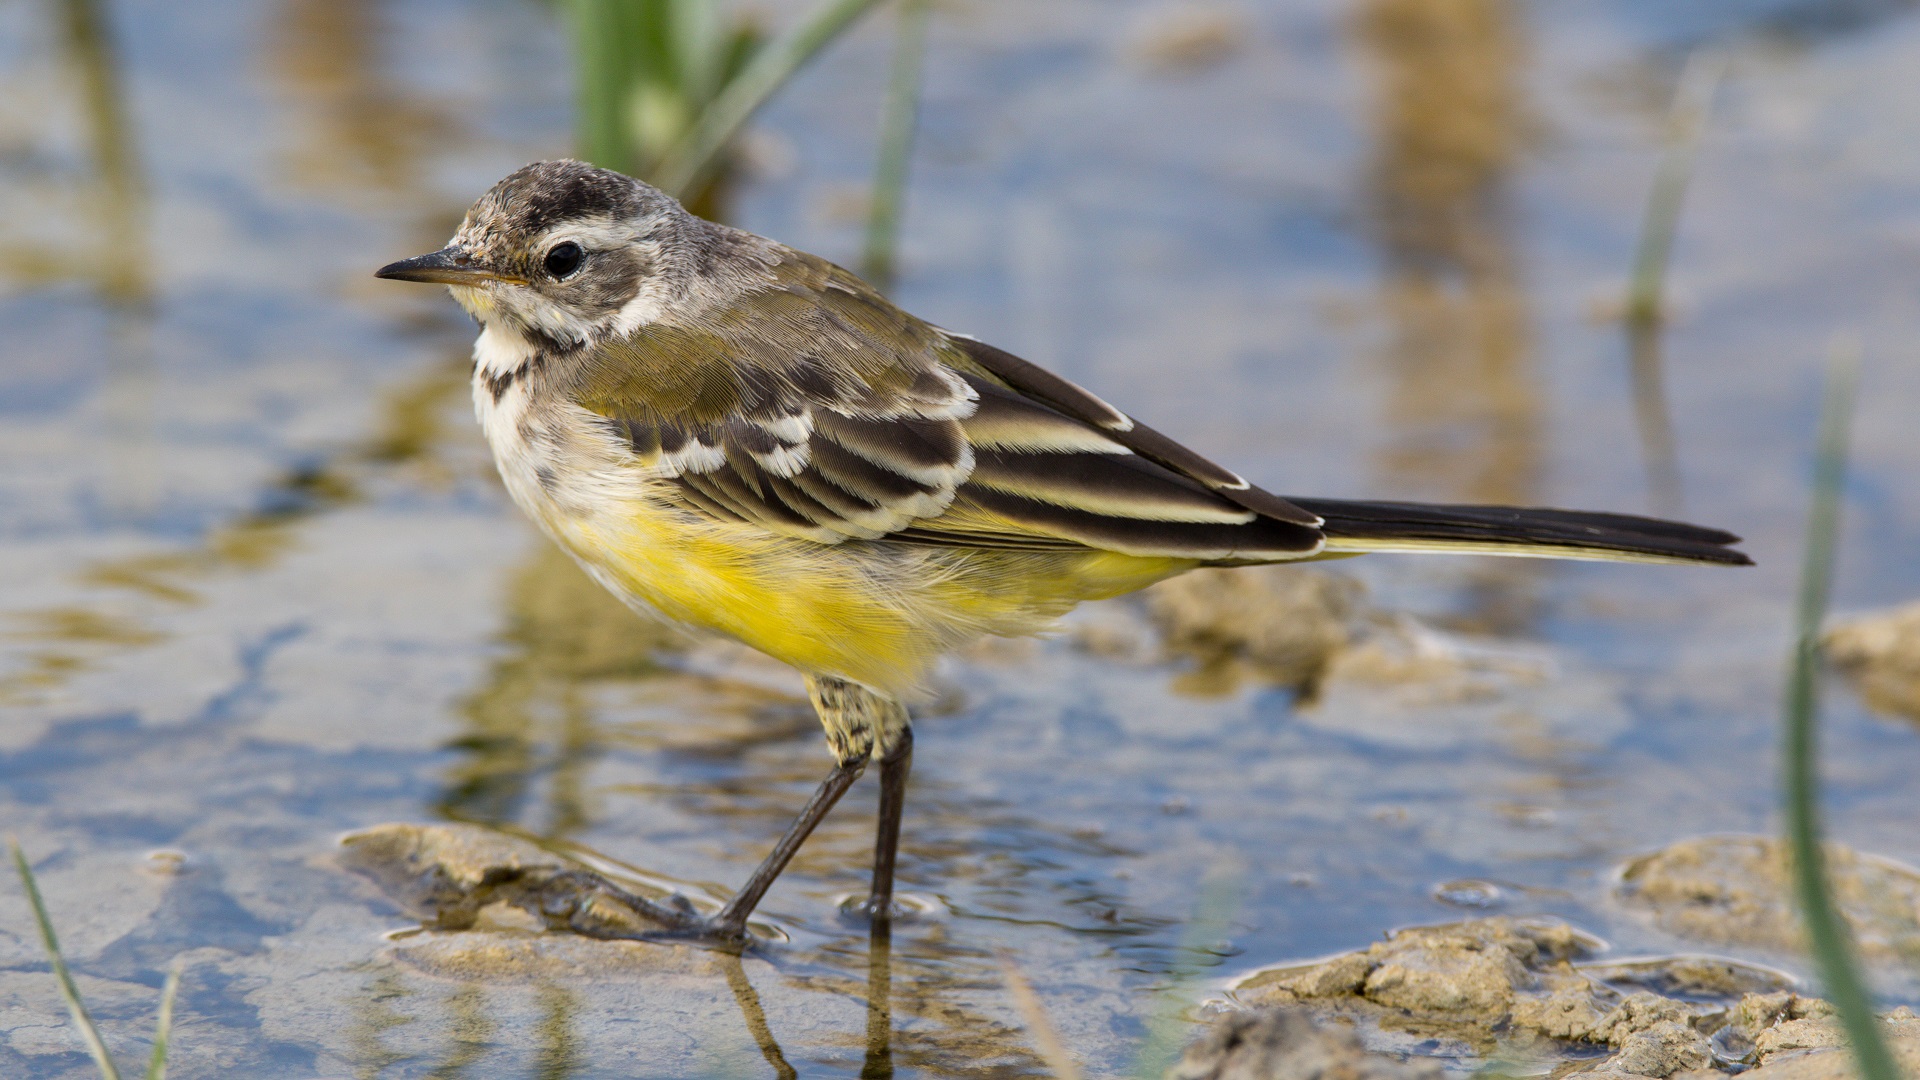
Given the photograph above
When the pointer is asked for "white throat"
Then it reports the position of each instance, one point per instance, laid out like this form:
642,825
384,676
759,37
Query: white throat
500,350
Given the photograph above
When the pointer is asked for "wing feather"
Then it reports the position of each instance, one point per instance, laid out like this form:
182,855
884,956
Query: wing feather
1109,484
1263,539
1043,385
1005,420
830,415
934,453
865,518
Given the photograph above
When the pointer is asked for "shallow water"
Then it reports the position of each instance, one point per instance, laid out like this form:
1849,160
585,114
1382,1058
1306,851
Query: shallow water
260,587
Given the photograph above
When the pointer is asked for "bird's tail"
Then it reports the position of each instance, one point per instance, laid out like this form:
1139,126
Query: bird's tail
1355,527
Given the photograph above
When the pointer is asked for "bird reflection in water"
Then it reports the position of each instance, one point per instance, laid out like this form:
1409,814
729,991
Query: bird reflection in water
879,1063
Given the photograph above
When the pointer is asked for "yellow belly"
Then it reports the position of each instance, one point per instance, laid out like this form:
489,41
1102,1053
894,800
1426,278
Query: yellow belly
873,612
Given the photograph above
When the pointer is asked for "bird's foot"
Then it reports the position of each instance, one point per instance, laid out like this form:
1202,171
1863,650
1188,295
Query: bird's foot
588,904
714,930
865,910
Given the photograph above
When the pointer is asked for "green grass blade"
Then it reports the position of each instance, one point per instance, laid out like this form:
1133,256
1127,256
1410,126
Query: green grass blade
602,62
1686,122
699,40
897,127
691,163
163,1028
81,1018
1167,1030
1827,934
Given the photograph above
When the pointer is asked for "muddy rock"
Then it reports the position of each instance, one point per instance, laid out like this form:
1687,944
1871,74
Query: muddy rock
1456,975
1472,987
1818,1028
453,877
1514,985
1284,1044
1585,1004
1465,972
1555,1013
1734,890
1795,1035
1880,653
1662,1049
1801,1039
1572,1008
1687,976
1834,1064
1765,1028
1639,1014
1285,624
1756,1013
1340,976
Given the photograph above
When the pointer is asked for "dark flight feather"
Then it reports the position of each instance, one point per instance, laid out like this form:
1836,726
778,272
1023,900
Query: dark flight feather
1381,526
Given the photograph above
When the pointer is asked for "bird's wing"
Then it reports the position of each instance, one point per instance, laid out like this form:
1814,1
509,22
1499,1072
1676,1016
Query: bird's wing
1040,472
829,414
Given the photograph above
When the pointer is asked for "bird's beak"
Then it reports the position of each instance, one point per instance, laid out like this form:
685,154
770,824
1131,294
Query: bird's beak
448,266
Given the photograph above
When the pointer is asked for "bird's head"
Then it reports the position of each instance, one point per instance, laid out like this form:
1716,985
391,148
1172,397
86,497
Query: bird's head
566,254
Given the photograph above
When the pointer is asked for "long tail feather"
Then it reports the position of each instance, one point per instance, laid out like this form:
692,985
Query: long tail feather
1521,531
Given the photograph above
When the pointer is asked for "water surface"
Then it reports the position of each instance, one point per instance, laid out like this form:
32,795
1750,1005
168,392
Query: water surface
261,588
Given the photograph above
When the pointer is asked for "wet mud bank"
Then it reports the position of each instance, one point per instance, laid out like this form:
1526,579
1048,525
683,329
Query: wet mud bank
1527,995
1538,995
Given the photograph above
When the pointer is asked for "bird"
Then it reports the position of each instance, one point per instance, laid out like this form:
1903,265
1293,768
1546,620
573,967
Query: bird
748,440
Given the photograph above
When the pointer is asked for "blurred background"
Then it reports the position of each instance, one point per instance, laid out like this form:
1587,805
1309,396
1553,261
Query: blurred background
259,586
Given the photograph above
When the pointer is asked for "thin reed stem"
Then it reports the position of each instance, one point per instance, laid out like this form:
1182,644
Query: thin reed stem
163,1028
897,128
82,1019
1831,944
693,159
605,49
1686,122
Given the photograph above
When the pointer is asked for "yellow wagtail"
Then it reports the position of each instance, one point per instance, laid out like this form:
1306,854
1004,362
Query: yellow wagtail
750,440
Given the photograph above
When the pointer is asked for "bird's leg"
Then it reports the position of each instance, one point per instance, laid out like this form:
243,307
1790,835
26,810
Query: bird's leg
859,723
886,838
862,722
731,922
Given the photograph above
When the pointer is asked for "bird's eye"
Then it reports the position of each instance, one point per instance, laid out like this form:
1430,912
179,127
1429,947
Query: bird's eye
564,259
